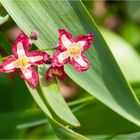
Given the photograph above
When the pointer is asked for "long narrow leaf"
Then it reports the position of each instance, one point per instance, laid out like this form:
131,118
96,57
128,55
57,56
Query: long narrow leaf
60,130
55,99
104,80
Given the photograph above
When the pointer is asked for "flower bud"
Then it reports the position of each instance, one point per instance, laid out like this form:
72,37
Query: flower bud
34,35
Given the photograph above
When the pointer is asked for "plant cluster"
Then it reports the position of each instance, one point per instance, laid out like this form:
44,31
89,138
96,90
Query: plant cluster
68,50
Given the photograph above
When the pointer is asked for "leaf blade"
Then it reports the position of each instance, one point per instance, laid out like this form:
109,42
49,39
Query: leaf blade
3,19
110,86
123,52
60,130
54,98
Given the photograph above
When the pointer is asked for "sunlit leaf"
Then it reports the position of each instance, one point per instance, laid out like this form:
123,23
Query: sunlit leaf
126,56
128,31
128,136
3,19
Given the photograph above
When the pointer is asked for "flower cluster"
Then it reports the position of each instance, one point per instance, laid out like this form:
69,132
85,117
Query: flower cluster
69,50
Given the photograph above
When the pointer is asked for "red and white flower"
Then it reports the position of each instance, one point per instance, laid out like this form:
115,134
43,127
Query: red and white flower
24,61
55,71
72,50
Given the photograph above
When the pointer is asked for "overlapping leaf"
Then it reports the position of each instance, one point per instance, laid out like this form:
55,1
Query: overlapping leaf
54,98
104,80
3,19
60,130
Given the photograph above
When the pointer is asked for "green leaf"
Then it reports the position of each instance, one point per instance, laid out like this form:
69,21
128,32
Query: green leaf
133,10
92,111
123,52
4,44
60,130
43,131
54,98
128,30
128,136
104,121
3,19
19,119
104,80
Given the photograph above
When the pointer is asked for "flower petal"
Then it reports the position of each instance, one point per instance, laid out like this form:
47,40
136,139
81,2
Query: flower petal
37,57
27,73
64,39
9,65
30,75
60,58
55,71
21,45
20,50
81,44
85,40
80,63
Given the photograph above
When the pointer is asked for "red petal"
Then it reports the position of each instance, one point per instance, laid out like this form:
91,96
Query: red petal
35,60
77,66
61,33
55,61
34,77
88,38
7,62
55,71
24,40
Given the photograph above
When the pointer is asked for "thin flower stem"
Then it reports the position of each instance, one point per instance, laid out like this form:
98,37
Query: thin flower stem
80,101
51,48
3,58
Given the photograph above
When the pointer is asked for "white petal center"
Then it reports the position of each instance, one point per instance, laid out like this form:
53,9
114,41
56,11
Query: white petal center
11,65
62,56
35,58
20,50
27,73
66,42
80,61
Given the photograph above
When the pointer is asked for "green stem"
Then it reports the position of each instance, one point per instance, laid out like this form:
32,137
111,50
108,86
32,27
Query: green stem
3,58
51,48
80,101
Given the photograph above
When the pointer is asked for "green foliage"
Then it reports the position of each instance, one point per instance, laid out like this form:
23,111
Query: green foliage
3,19
60,130
124,52
133,10
55,99
109,108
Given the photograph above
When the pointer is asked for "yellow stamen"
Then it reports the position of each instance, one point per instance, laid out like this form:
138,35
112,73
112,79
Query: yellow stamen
74,50
23,61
